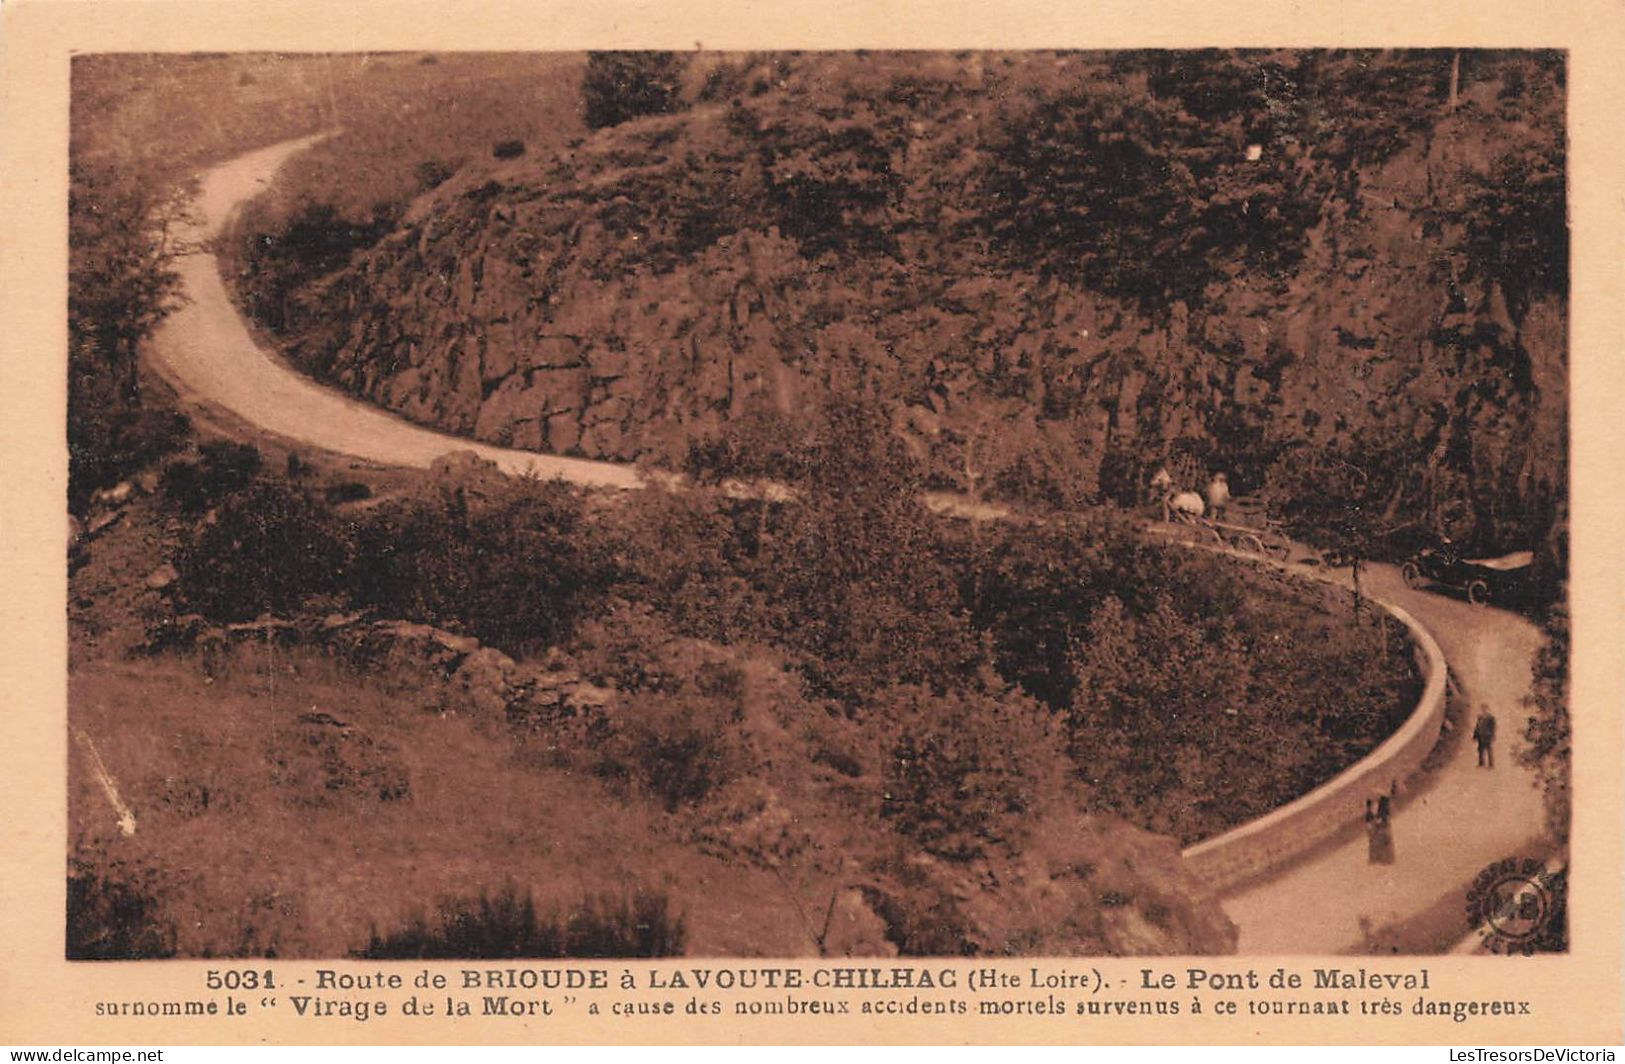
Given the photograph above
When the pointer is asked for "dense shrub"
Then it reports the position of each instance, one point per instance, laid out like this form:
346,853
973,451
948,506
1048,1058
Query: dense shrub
221,469
508,149
110,438
1549,731
965,772
271,548
1033,588
114,916
515,568
681,748
691,557
508,925
923,923
758,443
1190,695
676,730
619,86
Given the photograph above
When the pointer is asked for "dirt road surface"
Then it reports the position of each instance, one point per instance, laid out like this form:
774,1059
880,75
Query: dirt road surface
1454,821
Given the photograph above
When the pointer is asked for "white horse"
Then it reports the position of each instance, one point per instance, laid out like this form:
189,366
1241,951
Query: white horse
1184,505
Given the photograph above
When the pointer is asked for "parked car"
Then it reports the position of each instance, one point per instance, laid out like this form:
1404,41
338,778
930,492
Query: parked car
1502,579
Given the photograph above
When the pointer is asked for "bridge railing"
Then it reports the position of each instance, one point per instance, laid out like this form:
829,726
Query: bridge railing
1291,831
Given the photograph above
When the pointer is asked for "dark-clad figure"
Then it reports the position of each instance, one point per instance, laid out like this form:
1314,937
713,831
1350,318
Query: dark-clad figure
1379,832
1484,736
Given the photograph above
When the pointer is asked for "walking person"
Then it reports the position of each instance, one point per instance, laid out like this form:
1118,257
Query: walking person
1379,832
1218,496
1162,489
1484,736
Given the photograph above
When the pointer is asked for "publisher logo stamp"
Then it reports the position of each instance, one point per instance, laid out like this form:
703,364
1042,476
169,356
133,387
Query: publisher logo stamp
1511,903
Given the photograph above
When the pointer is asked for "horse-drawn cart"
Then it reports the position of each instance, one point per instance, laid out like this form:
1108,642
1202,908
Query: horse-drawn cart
1266,541
1252,532
1483,580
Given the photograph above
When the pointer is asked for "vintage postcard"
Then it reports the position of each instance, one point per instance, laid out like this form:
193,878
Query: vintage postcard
805,523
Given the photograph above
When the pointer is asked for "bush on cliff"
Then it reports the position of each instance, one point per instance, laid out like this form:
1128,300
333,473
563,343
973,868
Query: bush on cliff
619,86
313,241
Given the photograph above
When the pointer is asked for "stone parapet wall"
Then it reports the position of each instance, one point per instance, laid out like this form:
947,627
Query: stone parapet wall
1243,853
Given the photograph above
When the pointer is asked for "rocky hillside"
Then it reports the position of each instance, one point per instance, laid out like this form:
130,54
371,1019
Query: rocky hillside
336,806
1057,270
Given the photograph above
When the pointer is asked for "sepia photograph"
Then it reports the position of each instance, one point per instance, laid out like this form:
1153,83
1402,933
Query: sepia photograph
868,504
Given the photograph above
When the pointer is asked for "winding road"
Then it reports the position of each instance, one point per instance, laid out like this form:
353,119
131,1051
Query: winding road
205,350
1453,822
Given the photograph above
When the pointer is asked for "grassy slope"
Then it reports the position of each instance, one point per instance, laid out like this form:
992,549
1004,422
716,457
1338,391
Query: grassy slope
296,867
273,860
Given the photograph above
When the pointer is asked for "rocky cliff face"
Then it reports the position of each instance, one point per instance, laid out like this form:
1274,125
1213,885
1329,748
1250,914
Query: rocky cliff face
836,226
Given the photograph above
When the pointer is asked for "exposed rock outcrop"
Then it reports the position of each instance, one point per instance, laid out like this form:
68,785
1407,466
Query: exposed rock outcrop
666,276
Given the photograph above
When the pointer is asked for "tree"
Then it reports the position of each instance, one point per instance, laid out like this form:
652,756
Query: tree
619,86
1517,223
966,771
1549,731
120,286
1033,590
119,277
1163,674
1341,499
851,571
1189,719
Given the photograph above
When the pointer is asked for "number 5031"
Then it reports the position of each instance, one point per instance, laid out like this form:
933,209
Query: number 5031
240,980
